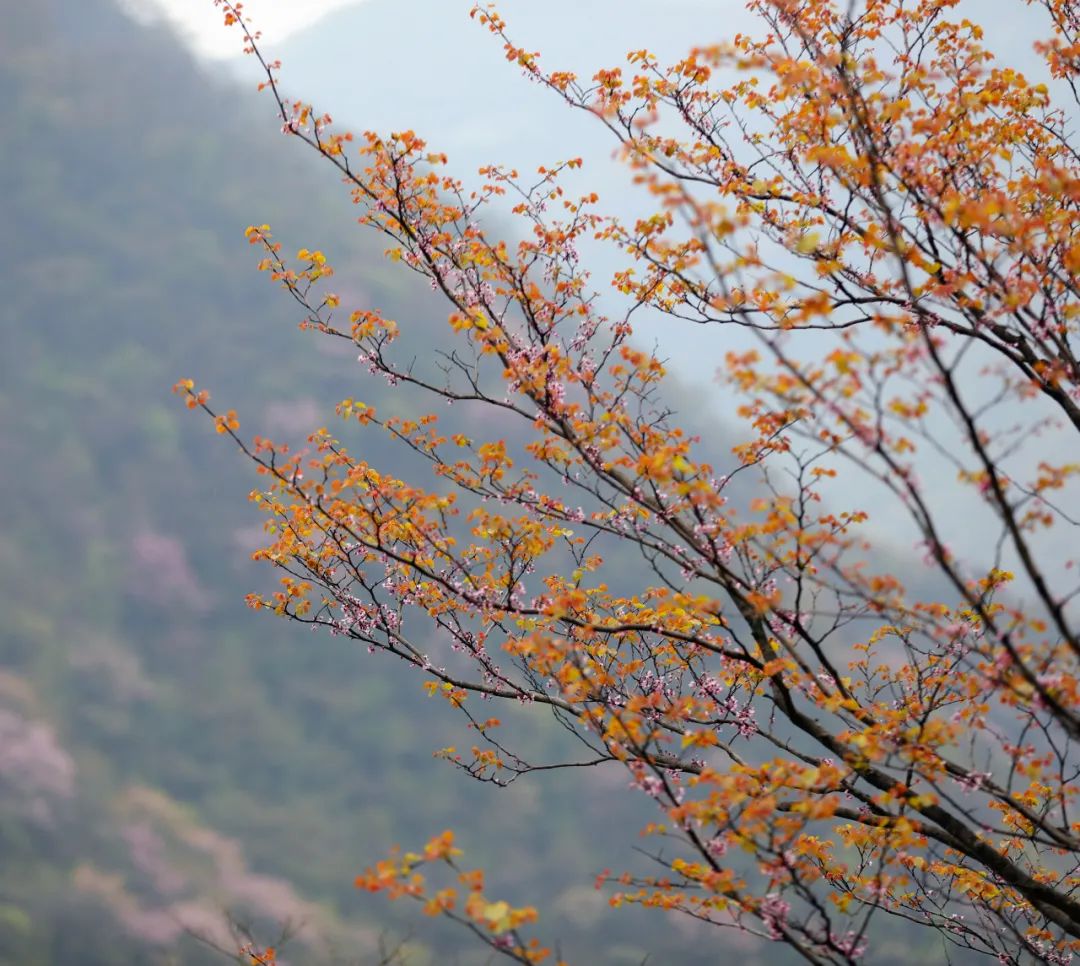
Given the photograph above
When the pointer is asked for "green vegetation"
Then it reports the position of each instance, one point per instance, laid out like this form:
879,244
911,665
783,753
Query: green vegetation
166,754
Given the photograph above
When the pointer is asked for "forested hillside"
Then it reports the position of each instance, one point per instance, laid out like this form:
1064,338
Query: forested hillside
167,756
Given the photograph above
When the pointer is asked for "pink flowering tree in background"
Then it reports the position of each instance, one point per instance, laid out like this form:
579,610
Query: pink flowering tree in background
883,219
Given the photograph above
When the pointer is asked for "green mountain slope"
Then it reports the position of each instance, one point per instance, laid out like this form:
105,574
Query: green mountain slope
166,754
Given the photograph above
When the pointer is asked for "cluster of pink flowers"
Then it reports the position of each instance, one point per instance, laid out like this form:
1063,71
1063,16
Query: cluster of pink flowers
850,944
774,912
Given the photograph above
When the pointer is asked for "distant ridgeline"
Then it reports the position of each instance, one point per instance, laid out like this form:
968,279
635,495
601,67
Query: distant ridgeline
166,755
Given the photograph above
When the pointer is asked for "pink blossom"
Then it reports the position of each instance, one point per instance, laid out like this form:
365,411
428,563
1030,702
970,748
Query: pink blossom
774,912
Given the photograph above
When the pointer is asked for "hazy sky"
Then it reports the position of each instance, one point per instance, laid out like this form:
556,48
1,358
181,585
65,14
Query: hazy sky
201,22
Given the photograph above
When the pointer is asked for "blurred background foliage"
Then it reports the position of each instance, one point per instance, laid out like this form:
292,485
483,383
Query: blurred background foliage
167,757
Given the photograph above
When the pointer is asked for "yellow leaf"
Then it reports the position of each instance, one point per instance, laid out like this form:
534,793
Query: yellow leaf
498,916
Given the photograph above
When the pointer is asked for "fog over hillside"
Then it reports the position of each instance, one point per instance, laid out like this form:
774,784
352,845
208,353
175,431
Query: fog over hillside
167,756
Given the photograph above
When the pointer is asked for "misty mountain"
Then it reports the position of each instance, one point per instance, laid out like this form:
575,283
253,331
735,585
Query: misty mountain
167,755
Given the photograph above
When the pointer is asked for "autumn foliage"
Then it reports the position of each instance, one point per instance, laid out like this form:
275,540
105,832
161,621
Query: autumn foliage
836,729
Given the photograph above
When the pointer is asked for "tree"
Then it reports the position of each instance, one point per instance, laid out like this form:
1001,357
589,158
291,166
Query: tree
885,218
